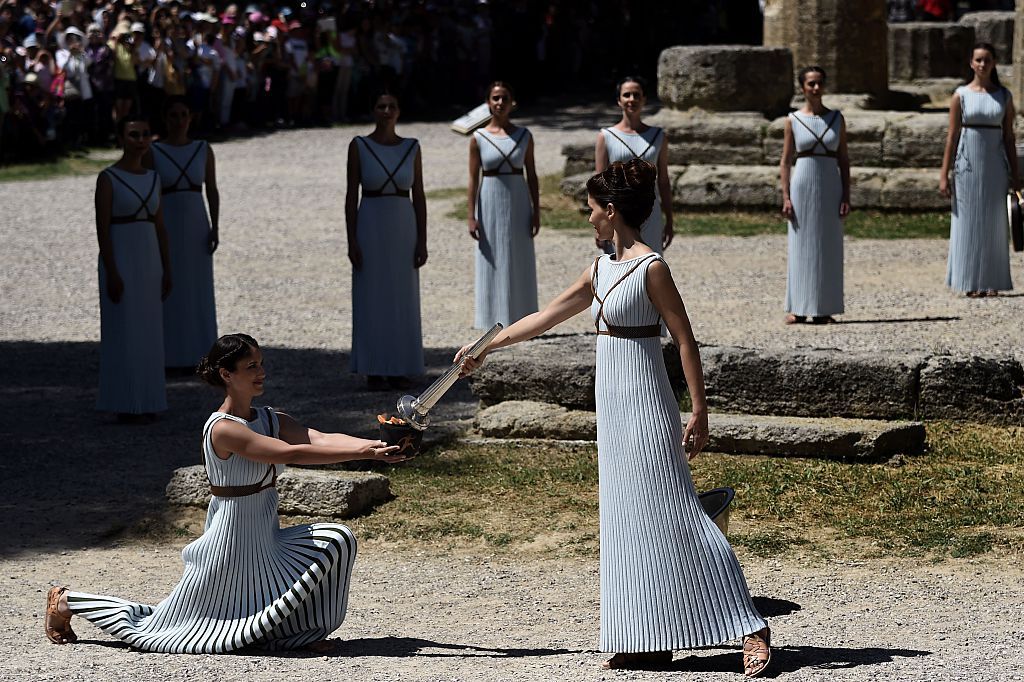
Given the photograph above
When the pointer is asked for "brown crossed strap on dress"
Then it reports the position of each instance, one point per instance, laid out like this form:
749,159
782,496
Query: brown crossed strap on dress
818,139
645,331
150,217
182,171
506,158
650,144
252,488
379,192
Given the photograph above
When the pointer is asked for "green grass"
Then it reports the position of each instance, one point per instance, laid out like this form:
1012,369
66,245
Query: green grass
560,212
960,499
44,170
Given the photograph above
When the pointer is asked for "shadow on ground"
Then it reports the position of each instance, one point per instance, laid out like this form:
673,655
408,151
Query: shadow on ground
71,477
791,659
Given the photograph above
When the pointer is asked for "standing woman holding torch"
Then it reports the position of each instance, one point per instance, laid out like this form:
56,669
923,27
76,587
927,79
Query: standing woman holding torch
669,579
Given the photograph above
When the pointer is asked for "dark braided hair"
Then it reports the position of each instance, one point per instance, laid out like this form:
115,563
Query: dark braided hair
225,354
629,187
982,45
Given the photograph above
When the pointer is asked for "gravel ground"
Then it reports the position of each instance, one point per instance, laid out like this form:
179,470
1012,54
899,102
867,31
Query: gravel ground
421,615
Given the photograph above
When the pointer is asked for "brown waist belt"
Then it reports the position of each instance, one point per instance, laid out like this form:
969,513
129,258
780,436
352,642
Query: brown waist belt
492,173
981,125
246,490
124,220
830,154
374,193
240,490
643,332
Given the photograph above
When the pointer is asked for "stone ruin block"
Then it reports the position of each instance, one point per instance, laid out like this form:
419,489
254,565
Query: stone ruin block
726,78
929,50
995,28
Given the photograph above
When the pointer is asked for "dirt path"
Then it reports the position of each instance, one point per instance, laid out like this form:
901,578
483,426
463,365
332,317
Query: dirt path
470,617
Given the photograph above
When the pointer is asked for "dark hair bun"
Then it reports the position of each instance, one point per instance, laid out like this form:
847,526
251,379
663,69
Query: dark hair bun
629,187
224,354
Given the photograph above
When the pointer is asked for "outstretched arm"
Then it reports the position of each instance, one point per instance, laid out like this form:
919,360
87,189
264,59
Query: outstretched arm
573,300
297,445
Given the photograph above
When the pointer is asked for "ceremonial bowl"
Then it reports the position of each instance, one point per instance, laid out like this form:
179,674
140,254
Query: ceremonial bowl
408,439
716,505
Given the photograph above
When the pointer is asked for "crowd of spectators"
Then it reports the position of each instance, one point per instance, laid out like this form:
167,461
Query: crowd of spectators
69,70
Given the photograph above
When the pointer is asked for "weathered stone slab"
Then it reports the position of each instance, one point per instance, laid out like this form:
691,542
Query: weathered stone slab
757,187
915,141
532,419
812,383
995,28
303,492
928,49
845,37
726,77
976,388
729,433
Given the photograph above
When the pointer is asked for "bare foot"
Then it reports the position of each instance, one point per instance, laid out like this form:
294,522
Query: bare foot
795,319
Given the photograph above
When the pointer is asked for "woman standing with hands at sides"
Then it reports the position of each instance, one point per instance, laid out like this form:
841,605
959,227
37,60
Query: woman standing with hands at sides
134,276
247,581
815,199
185,166
387,245
631,138
980,133
504,214
663,561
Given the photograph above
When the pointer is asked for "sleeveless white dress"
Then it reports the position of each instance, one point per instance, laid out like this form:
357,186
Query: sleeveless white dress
247,581
669,579
979,251
387,336
190,313
622,147
131,331
506,266
814,274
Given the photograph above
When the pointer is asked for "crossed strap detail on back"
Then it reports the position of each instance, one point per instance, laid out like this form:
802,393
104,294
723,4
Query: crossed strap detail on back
818,139
622,332
399,191
243,490
611,131
150,217
506,158
182,171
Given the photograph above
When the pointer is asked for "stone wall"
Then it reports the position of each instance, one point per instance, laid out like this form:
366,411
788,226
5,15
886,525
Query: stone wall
995,28
801,383
920,50
726,78
845,37
1016,83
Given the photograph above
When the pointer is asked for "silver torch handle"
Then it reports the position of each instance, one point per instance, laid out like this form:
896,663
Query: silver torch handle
414,410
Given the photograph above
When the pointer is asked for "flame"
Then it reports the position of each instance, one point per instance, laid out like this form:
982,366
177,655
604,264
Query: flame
390,420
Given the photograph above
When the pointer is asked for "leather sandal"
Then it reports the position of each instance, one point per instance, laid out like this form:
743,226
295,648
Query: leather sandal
57,627
823,319
795,319
648,660
757,652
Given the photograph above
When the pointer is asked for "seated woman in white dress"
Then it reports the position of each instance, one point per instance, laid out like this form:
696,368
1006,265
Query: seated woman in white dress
247,581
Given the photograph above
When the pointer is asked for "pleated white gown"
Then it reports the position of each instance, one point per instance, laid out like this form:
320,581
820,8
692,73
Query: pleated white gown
131,331
814,275
622,147
387,336
190,313
506,266
669,579
247,581
979,251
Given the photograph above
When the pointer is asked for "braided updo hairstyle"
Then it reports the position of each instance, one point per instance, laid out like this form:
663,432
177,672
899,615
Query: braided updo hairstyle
225,353
629,187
